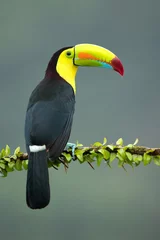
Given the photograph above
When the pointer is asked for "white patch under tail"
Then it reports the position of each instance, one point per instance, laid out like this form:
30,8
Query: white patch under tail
36,148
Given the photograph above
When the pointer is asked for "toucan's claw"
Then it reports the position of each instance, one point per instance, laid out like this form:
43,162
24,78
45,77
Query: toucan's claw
73,146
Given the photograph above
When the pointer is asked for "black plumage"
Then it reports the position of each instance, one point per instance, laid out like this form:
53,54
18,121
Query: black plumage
48,122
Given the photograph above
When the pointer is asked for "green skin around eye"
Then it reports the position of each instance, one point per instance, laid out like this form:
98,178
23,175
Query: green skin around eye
69,54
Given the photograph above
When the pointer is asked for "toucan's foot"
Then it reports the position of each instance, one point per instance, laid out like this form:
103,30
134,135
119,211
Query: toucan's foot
72,146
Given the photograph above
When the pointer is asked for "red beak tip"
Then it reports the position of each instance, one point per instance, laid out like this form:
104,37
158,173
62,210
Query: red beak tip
122,73
117,66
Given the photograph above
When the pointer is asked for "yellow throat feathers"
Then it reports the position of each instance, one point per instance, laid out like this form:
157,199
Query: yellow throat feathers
66,69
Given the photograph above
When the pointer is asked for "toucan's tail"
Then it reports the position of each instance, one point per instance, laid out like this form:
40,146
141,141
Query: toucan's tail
37,189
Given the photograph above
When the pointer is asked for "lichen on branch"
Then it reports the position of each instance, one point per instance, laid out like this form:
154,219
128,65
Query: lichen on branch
130,154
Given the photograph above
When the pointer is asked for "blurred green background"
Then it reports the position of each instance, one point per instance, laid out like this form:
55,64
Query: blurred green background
86,204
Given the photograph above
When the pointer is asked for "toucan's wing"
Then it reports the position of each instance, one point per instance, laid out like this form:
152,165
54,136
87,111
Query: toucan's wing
50,123
57,146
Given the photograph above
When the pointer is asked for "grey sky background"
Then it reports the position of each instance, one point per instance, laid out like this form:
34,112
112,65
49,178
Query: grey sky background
85,204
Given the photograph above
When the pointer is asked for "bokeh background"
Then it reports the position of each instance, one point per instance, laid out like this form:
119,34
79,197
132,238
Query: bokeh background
86,204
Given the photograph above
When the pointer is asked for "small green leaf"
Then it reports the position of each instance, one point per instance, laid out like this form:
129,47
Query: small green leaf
18,165
7,159
150,151
14,157
120,163
25,164
93,153
17,150
87,158
104,141
2,165
3,153
4,172
119,142
122,153
67,156
11,164
140,158
110,147
137,158
80,157
56,164
7,150
112,157
105,153
79,144
93,156
97,144
120,157
137,164
146,159
129,156
136,141
157,161
8,169
130,146
79,154
99,159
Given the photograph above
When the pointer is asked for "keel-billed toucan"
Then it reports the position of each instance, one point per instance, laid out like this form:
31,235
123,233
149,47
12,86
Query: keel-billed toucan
50,113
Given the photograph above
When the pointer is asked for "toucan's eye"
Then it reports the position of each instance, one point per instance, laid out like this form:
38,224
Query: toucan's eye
68,53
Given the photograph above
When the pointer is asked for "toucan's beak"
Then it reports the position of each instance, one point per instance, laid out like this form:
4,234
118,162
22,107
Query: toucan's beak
95,56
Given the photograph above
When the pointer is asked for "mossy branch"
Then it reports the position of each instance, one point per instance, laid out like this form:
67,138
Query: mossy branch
130,154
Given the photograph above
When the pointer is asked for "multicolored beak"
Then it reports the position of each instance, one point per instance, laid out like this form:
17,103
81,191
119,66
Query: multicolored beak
95,56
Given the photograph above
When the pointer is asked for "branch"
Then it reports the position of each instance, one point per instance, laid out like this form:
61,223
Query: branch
130,154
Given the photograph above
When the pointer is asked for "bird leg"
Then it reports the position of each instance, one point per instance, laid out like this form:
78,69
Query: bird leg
72,146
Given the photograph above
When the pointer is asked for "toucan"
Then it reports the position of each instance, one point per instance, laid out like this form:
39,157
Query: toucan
50,111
